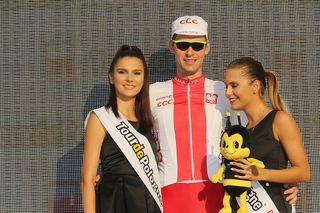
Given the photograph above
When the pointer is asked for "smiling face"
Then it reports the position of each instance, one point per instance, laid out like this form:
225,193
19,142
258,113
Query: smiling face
241,90
189,62
127,77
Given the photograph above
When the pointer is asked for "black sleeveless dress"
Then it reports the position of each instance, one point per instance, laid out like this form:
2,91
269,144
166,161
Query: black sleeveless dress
120,189
267,149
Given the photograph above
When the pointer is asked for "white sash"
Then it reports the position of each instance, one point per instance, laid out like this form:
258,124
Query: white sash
258,200
136,148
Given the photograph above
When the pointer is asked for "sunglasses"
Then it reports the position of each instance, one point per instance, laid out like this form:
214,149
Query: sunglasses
184,45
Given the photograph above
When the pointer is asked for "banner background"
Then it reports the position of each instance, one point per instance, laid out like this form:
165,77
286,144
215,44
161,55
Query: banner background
54,57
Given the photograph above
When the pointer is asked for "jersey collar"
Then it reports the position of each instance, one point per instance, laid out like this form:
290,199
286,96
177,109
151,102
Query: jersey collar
182,81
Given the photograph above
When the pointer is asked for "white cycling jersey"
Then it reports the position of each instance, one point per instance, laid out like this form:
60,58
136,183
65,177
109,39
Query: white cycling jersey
189,117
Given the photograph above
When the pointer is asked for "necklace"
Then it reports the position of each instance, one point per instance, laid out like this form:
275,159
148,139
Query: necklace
260,117
251,130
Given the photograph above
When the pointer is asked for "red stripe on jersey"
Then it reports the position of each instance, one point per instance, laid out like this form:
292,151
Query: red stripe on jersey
182,129
188,159
198,121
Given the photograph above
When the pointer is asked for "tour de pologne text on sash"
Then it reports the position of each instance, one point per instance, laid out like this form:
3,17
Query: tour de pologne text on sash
140,154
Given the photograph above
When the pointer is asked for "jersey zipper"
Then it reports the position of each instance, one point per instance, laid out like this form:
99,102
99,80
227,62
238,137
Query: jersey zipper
190,133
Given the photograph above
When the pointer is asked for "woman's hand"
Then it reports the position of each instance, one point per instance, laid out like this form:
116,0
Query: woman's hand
245,169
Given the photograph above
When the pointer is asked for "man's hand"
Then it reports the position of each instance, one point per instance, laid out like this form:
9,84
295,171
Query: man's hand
97,180
291,193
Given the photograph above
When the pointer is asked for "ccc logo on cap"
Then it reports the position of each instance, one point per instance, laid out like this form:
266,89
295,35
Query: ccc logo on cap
189,21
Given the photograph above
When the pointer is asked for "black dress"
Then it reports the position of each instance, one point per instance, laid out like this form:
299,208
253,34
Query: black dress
267,149
120,189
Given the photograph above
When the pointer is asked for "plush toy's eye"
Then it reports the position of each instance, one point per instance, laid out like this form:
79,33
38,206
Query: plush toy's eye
224,144
236,144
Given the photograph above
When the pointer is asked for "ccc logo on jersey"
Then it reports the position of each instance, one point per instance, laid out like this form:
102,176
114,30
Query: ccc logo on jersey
211,98
164,102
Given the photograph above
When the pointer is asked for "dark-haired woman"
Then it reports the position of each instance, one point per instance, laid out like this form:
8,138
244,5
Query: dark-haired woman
119,134
275,137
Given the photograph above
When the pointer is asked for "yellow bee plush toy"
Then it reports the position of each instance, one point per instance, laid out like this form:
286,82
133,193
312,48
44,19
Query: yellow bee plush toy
234,144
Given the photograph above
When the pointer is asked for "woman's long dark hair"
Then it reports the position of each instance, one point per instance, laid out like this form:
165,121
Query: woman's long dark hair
142,101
